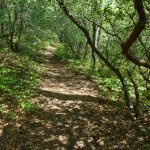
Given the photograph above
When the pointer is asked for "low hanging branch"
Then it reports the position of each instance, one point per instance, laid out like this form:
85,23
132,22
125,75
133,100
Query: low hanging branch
139,27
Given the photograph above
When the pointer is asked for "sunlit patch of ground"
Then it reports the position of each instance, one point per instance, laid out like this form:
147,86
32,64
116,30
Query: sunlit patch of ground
71,116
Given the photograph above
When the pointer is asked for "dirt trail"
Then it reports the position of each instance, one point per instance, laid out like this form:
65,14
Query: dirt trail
61,80
70,118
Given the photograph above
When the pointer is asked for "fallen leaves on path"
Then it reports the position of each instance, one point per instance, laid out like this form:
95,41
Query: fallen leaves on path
71,116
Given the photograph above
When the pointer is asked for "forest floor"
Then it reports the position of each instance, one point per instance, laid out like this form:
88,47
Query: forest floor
72,116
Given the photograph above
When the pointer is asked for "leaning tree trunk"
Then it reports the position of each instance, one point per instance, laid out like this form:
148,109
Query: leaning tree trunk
96,51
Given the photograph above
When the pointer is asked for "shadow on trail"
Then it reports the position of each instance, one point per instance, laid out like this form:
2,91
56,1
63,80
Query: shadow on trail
71,116
67,125
83,98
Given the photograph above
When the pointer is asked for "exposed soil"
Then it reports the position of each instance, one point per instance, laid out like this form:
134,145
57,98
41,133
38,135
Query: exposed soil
72,116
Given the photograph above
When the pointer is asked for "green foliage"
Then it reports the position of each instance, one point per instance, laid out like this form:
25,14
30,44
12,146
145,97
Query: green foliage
110,83
75,65
28,106
17,82
11,115
1,109
63,53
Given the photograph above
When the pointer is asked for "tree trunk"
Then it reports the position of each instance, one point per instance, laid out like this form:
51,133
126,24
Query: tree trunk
96,51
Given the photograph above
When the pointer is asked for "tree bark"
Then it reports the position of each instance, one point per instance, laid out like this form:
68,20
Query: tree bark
139,27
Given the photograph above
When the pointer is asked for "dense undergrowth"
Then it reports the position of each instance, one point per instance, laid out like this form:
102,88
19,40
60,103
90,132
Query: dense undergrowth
18,82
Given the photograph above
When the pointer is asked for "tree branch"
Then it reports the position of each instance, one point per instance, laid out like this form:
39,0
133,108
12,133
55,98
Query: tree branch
139,27
98,53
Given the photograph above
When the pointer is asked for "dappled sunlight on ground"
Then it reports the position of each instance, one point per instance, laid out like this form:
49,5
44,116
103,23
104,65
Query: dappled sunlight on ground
71,116
72,125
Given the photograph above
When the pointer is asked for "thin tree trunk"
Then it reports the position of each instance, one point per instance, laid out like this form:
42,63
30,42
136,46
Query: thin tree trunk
97,52
137,99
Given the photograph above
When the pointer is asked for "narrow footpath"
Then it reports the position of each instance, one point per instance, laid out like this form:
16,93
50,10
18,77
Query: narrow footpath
72,116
